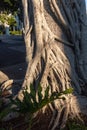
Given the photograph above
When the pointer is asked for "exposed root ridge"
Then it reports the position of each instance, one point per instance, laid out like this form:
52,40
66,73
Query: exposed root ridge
63,113
7,87
55,65
7,84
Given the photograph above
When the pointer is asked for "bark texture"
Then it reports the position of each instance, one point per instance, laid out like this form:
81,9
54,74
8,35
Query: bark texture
56,49
56,52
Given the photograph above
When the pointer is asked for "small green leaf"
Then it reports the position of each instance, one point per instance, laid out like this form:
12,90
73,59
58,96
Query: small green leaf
47,93
43,103
33,93
68,91
39,93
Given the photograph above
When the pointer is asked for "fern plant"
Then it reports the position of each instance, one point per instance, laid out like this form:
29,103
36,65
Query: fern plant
31,104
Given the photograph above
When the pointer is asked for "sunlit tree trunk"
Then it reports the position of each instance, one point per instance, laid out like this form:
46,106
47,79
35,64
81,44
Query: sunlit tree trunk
56,49
56,52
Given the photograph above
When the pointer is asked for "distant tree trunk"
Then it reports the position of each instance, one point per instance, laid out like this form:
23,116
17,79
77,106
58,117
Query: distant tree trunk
56,51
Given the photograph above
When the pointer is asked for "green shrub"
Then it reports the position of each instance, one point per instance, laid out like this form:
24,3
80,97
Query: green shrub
7,18
16,32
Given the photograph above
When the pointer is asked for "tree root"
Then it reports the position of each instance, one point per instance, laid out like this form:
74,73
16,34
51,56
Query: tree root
8,84
6,89
70,109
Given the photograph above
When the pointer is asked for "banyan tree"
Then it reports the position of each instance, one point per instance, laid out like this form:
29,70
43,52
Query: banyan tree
56,53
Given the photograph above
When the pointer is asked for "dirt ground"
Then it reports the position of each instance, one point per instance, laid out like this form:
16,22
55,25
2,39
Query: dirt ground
39,123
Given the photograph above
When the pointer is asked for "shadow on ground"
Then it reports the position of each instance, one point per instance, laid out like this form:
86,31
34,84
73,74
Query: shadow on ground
12,56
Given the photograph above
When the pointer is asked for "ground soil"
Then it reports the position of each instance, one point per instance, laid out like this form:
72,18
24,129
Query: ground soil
39,123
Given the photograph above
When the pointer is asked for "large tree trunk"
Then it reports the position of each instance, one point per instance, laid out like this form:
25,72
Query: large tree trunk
56,49
54,37
56,52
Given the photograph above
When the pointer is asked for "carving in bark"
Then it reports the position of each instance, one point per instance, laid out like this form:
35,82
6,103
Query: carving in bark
56,53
